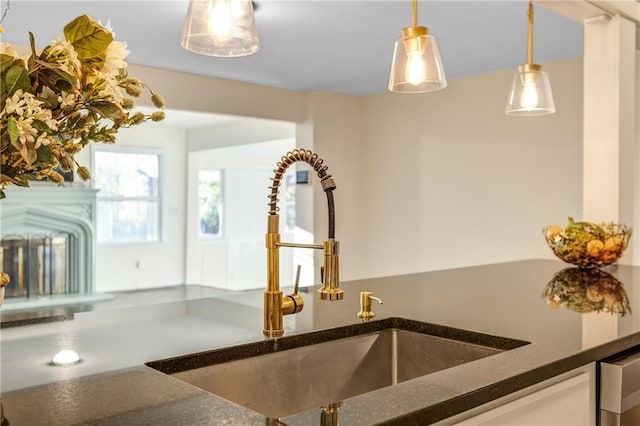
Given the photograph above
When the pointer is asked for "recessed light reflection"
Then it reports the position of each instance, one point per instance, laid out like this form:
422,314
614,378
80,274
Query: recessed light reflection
65,358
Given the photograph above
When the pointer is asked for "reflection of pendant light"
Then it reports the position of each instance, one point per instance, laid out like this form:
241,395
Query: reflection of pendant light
220,28
65,358
530,91
416,66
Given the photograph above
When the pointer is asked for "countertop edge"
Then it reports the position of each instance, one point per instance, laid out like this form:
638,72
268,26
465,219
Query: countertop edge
476,398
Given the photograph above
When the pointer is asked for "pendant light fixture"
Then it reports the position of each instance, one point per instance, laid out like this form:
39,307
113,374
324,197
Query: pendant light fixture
416,66
224,28
530,92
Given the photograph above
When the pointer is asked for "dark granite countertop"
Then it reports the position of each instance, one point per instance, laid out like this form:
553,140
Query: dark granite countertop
506,299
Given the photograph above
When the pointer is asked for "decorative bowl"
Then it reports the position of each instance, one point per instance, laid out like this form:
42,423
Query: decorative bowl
586,244
587,290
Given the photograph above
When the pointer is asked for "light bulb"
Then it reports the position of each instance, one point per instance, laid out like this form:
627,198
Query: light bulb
529,96
220,19
415,72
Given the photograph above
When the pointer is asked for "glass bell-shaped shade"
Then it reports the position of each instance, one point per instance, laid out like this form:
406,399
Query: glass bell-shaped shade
416,65
220,28
530,92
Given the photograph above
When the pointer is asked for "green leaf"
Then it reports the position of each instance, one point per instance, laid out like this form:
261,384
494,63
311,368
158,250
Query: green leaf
32,42
54,72
66,77
21,180
17,78
6,61
12,127
89,39
108,110
49,98
44,154
40,126
55,68
61,85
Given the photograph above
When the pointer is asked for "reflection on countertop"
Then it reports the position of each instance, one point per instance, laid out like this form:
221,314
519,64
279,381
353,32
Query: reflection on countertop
587,290
19,311
500,299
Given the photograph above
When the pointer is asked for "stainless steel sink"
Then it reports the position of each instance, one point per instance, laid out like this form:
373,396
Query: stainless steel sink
316,369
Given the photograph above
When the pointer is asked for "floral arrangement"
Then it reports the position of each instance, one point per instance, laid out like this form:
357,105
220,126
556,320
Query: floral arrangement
587,244
587,290
53,104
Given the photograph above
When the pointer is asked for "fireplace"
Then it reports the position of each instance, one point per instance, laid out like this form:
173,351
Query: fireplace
47,240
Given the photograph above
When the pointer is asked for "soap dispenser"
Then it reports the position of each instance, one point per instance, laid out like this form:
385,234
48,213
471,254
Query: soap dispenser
366,313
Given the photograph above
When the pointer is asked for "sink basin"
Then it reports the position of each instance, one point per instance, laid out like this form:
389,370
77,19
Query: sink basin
284,376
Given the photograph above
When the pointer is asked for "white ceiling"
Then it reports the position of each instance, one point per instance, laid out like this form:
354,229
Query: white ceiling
336,46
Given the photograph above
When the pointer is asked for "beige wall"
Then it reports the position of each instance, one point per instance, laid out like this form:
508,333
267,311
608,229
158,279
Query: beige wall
192,92
335,127
451,181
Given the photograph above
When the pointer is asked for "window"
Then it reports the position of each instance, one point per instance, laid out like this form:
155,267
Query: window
129,196
210,203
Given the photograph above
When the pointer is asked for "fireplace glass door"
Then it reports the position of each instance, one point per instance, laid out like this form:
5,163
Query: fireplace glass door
37,265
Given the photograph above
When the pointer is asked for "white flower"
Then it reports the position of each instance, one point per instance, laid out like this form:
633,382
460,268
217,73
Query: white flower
33,104
45,116
60,48
26,133
106,86
108,27
114,60
42,140
28,108
63,53
66,99
16,104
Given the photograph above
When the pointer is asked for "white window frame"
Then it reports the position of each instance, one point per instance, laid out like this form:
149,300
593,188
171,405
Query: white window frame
221,234
129,149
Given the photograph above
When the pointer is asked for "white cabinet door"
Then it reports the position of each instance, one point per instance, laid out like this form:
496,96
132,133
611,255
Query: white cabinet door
570,402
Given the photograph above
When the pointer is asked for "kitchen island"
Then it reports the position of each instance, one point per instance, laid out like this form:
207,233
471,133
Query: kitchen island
505,300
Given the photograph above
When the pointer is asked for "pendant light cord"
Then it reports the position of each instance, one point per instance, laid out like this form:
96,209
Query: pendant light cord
530,34
4,12
415,14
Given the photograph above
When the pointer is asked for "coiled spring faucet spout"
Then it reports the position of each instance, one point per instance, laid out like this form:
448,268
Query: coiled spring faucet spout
275,304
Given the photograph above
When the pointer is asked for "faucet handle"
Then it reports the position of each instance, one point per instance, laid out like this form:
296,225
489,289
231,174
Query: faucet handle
366,313
296,286
293,303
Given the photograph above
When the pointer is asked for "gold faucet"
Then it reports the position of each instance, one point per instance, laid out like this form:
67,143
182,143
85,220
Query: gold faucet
329,414
275,304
